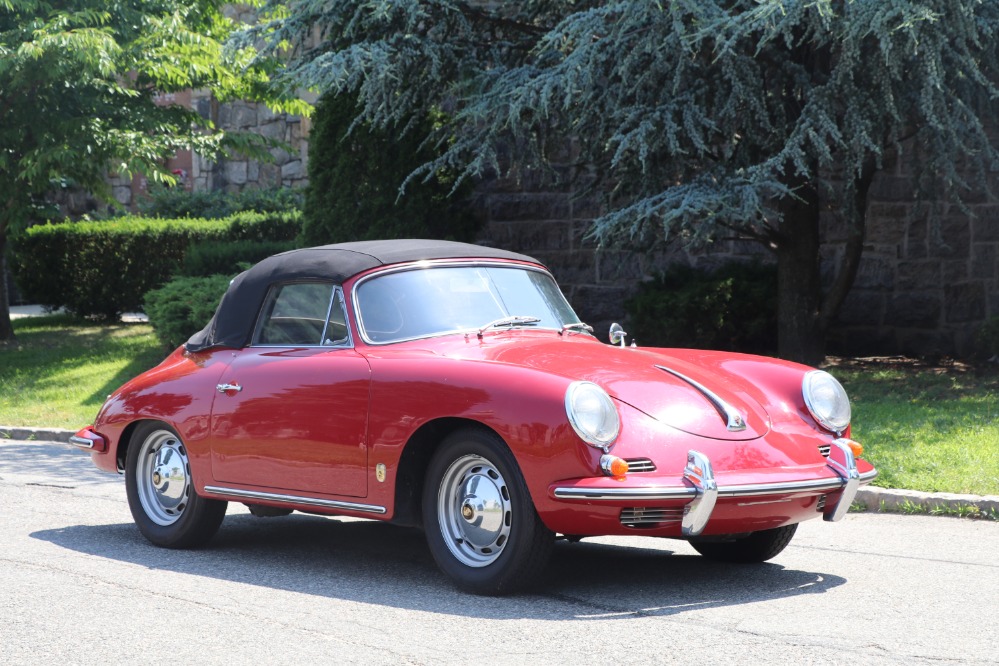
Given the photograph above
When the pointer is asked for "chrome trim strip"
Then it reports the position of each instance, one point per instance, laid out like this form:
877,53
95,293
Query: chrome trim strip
734,421
780,488
748,490
82,442
637,494
296,499
867,477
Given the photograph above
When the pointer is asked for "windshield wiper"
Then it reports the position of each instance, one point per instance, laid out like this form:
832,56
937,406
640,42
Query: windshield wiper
508,321
576,326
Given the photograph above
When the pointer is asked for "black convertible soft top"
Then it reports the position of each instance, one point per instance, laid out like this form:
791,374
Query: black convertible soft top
233,321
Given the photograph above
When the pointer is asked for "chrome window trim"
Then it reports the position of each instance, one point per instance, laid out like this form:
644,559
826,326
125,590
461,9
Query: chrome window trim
296,499
349,344
447,263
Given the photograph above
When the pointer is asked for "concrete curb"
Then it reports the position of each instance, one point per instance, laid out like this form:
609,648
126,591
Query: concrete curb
36,434
875,499
893,500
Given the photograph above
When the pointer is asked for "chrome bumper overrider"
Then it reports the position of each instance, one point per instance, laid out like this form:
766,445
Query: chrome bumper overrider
703,491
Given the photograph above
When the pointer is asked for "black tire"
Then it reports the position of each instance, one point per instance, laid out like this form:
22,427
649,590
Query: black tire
757,547
160,490
480,522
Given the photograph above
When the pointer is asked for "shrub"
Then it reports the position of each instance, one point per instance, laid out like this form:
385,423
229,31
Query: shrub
264,227
732,308
182,306
172,203
354,183
987,339
221,257
102,269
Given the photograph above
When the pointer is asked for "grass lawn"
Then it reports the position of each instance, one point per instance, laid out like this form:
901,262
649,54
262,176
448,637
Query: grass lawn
60,370
931,428
926,427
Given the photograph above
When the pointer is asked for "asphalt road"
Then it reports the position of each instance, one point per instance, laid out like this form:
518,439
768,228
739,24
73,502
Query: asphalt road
79,585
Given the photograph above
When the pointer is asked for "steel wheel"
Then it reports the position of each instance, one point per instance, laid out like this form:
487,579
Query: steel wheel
163,477
481,525
161,490
474,510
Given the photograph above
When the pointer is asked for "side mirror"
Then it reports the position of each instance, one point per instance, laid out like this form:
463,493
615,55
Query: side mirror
617,334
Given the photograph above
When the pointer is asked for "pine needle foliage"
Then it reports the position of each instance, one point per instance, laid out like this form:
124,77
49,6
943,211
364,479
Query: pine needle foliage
355,174
701,118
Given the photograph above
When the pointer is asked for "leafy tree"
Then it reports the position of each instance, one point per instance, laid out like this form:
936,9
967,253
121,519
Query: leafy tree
702,118
79,81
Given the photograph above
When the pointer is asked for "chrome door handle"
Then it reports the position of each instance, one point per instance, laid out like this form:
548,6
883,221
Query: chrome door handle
222,388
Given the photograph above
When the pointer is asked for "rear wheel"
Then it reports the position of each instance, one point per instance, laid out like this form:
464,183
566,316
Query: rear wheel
756,547
480,522
161,494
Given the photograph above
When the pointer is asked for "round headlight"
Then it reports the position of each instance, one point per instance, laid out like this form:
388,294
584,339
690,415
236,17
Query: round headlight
826,400
592,414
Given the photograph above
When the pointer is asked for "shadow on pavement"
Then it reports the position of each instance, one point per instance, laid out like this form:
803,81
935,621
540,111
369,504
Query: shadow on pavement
381,564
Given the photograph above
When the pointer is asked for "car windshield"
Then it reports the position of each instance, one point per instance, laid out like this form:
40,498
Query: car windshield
432,301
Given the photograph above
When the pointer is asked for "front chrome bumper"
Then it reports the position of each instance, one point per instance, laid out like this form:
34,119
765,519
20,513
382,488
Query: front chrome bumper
703,491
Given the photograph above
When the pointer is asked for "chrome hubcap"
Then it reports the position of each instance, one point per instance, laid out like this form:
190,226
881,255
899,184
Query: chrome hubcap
474,510
163,477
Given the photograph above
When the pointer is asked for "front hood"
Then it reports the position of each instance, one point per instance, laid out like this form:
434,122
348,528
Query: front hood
700,399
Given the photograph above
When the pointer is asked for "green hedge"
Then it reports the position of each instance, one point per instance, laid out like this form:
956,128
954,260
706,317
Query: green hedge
223,257
731,308
101,269
176,202
182,306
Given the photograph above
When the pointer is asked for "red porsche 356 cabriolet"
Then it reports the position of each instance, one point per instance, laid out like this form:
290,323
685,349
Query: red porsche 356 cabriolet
452,386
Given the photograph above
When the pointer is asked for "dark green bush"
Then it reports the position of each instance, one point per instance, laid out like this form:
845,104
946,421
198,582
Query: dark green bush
175,202
264,227
987,339
354,184
732,308
182,306
102,269
221,257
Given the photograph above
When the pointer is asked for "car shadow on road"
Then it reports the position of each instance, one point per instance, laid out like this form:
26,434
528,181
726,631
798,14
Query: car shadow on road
376,563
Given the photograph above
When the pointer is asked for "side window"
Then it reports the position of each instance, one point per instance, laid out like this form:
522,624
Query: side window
336,327
294,314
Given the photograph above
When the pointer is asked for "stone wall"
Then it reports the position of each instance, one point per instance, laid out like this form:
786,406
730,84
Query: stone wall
289,165
922,288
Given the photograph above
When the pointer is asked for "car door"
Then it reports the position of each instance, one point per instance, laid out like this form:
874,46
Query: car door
290,411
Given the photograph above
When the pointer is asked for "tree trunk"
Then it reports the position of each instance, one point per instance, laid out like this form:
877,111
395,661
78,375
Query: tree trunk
6,328
799,289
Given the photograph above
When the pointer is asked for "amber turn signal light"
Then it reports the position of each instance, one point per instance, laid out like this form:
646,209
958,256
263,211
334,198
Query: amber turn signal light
613,466
856,447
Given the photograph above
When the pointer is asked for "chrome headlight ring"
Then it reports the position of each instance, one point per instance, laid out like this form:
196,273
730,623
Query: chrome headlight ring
592,414
826,400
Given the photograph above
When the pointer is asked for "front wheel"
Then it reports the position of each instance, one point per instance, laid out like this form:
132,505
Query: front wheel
161,493
756,547
481,525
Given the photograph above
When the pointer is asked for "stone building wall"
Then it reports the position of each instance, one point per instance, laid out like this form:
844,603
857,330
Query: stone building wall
922,288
